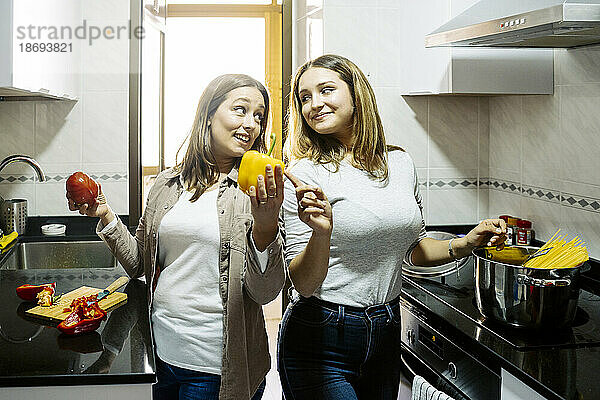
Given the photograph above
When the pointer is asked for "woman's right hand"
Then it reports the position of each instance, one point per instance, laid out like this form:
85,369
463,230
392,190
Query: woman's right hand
313,207
99,209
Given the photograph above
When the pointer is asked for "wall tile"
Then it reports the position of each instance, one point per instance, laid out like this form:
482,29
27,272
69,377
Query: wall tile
117,196
453,197
16,129
580,196
505,133
545,216
107,9
577,66
579,219
54,201
457,174
389,4
388,38
483,204
58,132
349,31
504,203
483,127
453,132
580,122
105,127
106,62
505,176
99,168
20,191
541,163
405,122
452,206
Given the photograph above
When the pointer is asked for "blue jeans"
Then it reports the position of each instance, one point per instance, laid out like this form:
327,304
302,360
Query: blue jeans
333,352
184,384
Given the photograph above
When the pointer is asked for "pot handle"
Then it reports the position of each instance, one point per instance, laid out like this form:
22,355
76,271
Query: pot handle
585,267
527,280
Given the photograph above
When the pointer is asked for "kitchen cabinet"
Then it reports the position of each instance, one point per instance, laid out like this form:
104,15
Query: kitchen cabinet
443,70
40,49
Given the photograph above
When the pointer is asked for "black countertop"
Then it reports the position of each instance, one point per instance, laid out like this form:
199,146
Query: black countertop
33,353
555,372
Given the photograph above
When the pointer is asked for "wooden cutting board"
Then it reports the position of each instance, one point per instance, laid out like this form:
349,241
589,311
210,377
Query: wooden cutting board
57,311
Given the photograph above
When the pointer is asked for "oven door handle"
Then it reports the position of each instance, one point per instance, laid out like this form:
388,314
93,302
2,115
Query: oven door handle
408,367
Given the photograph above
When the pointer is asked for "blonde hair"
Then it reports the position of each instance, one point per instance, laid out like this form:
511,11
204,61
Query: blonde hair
369,151
198,167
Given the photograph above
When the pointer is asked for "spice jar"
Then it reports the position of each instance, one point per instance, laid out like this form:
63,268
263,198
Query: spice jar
524,232
511,231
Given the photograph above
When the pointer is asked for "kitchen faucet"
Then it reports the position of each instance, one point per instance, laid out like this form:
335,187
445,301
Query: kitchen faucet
27,160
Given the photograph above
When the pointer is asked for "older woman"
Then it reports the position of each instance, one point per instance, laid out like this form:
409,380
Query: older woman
353,212
211,255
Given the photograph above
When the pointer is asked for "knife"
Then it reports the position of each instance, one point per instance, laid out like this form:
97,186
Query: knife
110,288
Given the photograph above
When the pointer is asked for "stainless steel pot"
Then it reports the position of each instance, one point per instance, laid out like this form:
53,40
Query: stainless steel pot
524,297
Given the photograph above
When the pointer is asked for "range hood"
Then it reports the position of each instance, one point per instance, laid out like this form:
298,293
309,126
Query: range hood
522,23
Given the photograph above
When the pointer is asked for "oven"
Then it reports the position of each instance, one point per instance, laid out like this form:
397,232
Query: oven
431,353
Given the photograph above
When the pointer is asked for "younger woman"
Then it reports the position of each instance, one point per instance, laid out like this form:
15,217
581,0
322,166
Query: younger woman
353,212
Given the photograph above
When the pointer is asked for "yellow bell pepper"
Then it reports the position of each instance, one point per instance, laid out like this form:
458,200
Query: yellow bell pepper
253,164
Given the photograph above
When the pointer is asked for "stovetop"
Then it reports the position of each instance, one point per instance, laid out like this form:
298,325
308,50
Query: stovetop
453,297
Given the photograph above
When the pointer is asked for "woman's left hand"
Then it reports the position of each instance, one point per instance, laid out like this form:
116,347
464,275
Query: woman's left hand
489,232
266,198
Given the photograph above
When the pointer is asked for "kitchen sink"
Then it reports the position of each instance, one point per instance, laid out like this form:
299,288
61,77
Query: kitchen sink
59,255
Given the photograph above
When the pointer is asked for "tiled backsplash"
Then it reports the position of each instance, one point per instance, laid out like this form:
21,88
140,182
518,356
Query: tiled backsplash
544,151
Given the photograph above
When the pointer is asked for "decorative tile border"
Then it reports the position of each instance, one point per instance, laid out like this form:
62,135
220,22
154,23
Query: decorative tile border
452,183
62,178
538,193
553,196
578,201
504,186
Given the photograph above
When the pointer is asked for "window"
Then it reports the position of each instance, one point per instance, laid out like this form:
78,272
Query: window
198,50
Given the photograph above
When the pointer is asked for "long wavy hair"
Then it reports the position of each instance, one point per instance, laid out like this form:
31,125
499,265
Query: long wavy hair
198,167
369,152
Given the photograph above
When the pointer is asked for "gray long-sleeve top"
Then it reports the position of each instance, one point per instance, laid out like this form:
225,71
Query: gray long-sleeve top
374,225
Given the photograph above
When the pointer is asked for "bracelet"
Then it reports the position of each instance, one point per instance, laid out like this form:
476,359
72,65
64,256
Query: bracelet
451,251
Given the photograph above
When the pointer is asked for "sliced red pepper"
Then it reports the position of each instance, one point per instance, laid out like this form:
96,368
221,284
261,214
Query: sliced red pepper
29,292
84,318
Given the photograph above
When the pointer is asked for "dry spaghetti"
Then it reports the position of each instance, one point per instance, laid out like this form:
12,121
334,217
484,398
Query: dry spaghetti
558,253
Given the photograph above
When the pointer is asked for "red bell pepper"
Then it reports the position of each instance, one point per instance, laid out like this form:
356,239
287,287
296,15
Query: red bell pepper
29,292
82,189
84,318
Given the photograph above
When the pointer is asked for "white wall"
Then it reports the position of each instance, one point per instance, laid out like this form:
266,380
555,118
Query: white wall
65,136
